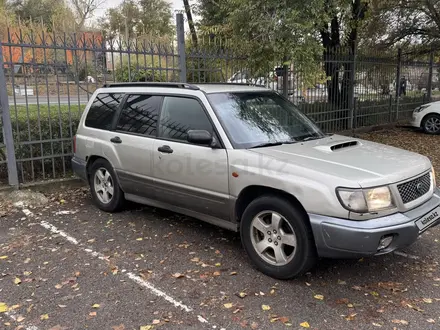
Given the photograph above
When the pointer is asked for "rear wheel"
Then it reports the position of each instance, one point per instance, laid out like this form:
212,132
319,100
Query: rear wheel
277,237
104,187
431,124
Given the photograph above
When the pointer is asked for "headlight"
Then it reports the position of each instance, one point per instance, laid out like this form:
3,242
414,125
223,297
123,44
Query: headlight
366,200
421,108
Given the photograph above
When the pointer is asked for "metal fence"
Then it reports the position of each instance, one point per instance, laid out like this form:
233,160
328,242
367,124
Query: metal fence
46,80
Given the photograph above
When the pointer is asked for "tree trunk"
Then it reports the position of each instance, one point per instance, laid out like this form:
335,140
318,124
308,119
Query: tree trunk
191,23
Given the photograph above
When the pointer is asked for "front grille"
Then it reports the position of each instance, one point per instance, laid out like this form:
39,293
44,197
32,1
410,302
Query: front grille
411,190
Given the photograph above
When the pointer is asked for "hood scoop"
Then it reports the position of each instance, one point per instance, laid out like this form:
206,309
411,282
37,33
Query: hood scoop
338,146
344,145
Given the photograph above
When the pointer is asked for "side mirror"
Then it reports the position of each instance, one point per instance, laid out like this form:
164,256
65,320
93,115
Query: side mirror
201,137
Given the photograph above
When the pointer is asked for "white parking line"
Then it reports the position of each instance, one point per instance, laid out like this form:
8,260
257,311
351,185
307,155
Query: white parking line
131,276
138,280
12,314
406,255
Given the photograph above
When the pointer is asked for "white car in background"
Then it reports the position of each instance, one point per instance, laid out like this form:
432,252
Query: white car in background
427,117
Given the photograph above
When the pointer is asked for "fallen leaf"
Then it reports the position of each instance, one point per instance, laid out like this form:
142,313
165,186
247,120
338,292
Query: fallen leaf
427,300
342,301
139,239
27,273
272,291
77,274
254,325
195,259
342,282
13,307
284,319
27,260
20,318
305,325
95,306
216,274
274,319
265,307
155,321
242,294
17,281
62,201
92,314
228,305
430,320
350,305
319,297
44,317
3,307
374,293
3,257
62,306
146,327
233,273
178,275
400,322
218,264
58,286
377,324
308,284
350,317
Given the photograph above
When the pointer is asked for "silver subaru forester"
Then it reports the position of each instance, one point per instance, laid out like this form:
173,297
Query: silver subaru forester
246,159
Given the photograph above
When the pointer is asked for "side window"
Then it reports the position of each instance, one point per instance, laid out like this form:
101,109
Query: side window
179,115
102,111
139,115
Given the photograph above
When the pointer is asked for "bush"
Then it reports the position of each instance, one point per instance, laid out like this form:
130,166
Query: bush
45,133
135,73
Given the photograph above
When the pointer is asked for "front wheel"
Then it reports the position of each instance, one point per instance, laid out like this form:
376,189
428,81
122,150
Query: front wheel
431,124
277,237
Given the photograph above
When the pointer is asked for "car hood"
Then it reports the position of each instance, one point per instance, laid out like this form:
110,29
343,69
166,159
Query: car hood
363,162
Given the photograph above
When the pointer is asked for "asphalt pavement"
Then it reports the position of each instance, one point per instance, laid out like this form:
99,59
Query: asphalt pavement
70,266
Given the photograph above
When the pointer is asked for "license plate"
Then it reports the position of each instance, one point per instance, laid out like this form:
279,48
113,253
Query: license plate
428,219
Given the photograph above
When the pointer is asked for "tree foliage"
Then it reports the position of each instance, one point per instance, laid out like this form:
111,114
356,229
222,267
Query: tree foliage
150,17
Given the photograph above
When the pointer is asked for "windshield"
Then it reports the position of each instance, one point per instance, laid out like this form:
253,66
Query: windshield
261,118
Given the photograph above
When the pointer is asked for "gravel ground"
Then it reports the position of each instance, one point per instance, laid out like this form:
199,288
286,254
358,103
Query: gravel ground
68,265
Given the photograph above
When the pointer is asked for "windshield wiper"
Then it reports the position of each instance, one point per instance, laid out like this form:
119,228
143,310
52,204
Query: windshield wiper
272,144
309,138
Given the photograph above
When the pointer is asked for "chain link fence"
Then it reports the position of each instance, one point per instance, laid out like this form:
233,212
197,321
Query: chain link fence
46,79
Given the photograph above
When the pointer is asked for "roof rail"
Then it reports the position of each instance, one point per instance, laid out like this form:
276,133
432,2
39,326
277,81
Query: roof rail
227,83
151,84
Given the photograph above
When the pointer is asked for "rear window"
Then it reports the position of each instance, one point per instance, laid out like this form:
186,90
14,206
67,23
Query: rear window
102,110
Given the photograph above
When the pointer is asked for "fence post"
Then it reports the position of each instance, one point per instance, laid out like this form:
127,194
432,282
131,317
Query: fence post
286,79
181,46
431,65
7,125
398,74
352,89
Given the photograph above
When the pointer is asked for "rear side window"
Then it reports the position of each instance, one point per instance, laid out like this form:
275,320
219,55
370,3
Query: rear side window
102,110
139,115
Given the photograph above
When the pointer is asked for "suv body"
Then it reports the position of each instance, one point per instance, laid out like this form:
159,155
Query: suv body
244,158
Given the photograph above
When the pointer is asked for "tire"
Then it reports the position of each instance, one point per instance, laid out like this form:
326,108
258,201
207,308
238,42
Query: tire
102,178
431,124
292,262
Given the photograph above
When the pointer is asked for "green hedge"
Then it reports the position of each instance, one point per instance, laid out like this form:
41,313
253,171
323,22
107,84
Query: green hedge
43,125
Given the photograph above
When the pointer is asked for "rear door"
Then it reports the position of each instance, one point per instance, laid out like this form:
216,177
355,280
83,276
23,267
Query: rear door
189,176
133,141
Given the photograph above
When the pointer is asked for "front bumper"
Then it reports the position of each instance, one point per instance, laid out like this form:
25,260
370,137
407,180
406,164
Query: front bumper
340,238
416,120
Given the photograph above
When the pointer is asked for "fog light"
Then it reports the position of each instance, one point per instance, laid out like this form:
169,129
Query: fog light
385,242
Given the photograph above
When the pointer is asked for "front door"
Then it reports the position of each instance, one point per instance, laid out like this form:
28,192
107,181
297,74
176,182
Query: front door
189,176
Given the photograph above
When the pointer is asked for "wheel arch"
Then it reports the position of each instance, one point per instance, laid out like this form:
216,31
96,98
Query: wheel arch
250,193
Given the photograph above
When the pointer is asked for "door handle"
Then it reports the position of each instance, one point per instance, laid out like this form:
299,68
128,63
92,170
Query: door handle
165,149
116,139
